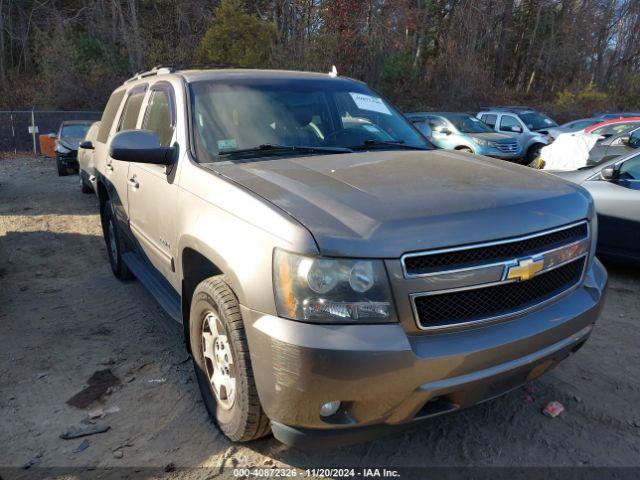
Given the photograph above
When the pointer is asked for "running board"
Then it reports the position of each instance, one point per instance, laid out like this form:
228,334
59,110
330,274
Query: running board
161,290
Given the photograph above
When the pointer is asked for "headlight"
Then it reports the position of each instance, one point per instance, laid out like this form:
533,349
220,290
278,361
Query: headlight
480,141
331,290
61,149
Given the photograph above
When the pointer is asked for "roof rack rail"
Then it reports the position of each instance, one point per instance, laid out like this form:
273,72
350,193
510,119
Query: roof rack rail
157,70
506,107
160,69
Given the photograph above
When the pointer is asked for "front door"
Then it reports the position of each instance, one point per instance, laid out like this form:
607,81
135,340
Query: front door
153,189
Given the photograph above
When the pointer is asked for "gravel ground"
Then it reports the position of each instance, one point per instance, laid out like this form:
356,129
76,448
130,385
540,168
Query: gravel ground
64,316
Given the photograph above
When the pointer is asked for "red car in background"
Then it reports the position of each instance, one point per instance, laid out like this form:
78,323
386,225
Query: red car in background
617,126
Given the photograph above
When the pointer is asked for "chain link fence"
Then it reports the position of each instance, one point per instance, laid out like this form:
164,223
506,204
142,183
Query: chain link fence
17,132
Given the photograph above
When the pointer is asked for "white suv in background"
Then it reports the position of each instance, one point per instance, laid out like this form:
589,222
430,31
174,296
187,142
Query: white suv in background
529,126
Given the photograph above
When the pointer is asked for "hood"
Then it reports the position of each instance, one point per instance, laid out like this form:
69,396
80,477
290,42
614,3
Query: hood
575,176
70,142
383,204
554,132
493,137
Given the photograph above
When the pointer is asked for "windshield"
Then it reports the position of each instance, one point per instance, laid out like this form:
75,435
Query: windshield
537,120
75,130
614,129
261,114
468,124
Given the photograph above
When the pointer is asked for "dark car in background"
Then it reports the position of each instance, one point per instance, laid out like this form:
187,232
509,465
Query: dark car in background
68,138
615,188
463,132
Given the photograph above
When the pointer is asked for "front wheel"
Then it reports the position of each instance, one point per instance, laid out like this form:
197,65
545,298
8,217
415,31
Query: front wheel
222,364
465,149
533,153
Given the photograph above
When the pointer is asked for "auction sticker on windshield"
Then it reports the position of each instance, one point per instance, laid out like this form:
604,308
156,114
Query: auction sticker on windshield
367,102
227,144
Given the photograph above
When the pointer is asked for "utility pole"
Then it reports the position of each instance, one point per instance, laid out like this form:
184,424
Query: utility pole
33,133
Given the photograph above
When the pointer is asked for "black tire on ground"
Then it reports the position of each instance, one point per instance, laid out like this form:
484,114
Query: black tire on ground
115,244
62,170
533,153
84,188
244,420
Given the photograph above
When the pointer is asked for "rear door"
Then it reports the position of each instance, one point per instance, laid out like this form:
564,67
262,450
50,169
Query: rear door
115,171
153,189
618,206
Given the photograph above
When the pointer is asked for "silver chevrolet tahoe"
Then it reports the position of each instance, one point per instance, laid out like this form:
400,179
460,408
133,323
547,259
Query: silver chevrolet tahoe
337,278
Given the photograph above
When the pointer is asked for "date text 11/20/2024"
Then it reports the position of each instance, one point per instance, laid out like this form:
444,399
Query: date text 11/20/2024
316,472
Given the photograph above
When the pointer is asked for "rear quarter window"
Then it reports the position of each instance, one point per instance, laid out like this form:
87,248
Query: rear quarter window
131,110
490,120
109,115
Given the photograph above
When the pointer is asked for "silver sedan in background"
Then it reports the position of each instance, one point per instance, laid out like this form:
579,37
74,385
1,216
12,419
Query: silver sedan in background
615,187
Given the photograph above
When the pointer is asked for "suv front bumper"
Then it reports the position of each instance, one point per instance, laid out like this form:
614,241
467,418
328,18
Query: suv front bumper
387,380
68,160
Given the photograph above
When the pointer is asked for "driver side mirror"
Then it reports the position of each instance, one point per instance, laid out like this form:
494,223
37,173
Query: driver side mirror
87,145
140,146
609,173
516,129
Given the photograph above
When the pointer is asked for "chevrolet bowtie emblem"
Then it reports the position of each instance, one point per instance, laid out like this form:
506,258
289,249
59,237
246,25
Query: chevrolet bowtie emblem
524,269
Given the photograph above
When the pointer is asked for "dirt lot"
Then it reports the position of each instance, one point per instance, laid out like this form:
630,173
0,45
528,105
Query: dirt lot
64,316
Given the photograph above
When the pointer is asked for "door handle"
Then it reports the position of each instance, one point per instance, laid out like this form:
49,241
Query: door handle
133,182
109,167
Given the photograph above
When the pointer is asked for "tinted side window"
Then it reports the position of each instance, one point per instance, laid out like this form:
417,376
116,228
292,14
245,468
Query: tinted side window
130,112
634,139
108,115
615,129
490,120
159,118
422,126
630,170
507,121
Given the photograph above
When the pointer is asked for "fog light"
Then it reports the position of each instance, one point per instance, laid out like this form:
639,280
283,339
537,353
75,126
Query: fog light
329,408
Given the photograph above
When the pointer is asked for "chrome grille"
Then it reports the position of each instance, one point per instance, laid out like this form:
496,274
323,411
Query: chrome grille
482,282
472,305
464,257
507,147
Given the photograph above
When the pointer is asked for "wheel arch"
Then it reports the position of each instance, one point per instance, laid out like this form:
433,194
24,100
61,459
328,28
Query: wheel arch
465,147
194,267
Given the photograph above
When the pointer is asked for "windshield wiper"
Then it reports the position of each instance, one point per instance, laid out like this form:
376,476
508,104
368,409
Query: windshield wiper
387,143
269,148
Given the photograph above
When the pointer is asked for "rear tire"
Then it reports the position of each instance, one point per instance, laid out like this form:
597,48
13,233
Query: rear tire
115,245
221,355
62,170
84,188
